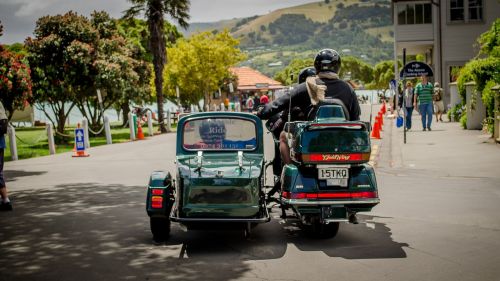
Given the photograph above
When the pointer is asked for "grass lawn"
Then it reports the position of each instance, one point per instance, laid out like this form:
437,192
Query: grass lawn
33,142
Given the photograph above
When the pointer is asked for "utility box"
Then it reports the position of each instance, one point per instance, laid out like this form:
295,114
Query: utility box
476,111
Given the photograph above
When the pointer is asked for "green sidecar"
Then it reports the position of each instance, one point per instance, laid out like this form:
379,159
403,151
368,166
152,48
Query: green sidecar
218,178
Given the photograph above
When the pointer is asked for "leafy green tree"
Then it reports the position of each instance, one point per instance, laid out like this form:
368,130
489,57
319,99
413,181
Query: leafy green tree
294,67
155,10
383,73
358,69
200,65
116,72
15,80
59,57
137,33
484,70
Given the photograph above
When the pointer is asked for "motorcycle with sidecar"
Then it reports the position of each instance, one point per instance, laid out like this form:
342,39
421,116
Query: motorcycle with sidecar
220,172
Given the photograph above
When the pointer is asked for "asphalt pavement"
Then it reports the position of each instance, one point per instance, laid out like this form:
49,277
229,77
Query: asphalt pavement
85,219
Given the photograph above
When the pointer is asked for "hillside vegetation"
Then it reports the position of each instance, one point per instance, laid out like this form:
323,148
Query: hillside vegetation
358,28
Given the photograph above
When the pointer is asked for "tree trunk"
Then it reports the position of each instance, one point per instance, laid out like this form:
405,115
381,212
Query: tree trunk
126,110
157,44
61,120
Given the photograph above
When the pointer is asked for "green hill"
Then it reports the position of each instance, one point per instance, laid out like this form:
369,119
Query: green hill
360,28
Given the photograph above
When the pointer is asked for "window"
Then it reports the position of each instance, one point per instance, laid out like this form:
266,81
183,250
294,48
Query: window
415,14
457,10
465,10
475,10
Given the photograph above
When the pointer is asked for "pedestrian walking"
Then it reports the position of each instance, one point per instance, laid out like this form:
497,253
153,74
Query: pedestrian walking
5,204
408,106
437,97
423,95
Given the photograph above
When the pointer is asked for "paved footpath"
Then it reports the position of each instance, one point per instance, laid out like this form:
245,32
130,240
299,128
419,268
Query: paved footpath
84,219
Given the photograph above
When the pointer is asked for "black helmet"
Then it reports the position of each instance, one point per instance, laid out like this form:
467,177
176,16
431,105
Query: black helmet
306,72
327,60
212,131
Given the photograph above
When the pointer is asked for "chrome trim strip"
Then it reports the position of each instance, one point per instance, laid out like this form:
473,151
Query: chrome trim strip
335,220
305,202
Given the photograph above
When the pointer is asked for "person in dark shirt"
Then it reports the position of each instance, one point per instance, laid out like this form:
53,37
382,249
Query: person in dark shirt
326,84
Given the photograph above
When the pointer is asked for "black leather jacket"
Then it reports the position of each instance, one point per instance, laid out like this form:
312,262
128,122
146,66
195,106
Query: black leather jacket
336,88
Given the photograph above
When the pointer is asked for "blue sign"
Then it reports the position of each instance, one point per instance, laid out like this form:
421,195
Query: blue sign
393,84
79,139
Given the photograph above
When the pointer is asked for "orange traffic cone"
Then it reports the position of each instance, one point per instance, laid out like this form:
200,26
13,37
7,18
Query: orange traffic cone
140,134
383,109
376,130
381,117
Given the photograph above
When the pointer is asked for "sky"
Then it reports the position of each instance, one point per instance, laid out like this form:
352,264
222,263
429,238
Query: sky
19,17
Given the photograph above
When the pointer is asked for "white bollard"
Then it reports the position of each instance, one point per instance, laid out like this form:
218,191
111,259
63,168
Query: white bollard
107,130
11,131
237,107
150,123
85,126
131,125
222,107
169,122
50,136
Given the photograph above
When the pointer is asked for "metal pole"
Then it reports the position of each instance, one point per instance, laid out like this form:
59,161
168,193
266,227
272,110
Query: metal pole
150,123
107,130
11,131
50,136
131,125
404,102
85,126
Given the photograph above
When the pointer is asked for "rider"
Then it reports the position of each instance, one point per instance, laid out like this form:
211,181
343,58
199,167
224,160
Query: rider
327,84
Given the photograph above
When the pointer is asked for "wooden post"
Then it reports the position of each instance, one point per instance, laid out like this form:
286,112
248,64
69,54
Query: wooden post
11,131
150,123
85,126
169,121
107,129
131,125
50,136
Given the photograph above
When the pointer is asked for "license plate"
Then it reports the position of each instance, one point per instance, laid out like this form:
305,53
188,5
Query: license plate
334,175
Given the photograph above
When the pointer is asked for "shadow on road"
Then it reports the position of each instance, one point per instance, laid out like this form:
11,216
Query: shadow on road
369,240
13,175
101,232
93,232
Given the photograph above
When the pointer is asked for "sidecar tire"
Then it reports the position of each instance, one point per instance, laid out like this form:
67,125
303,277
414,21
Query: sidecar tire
160,228
323,231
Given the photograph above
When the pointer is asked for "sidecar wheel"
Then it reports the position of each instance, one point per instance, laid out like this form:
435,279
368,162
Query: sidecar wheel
323,231
160,228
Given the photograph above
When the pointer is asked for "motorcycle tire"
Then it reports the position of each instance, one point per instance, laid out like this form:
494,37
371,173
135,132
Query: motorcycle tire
322,231
160,228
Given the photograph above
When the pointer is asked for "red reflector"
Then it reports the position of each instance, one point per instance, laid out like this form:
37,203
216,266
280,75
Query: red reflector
157,191
330,195
285,195
156,202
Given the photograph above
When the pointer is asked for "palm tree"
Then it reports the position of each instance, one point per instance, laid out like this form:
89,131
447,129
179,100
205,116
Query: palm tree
154,11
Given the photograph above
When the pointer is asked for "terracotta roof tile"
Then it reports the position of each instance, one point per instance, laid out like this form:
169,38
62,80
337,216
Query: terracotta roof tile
249,78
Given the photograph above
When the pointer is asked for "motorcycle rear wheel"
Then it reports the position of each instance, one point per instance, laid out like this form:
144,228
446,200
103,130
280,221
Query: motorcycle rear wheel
319,230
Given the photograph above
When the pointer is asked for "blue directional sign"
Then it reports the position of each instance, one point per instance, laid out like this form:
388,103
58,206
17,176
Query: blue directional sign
79,139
